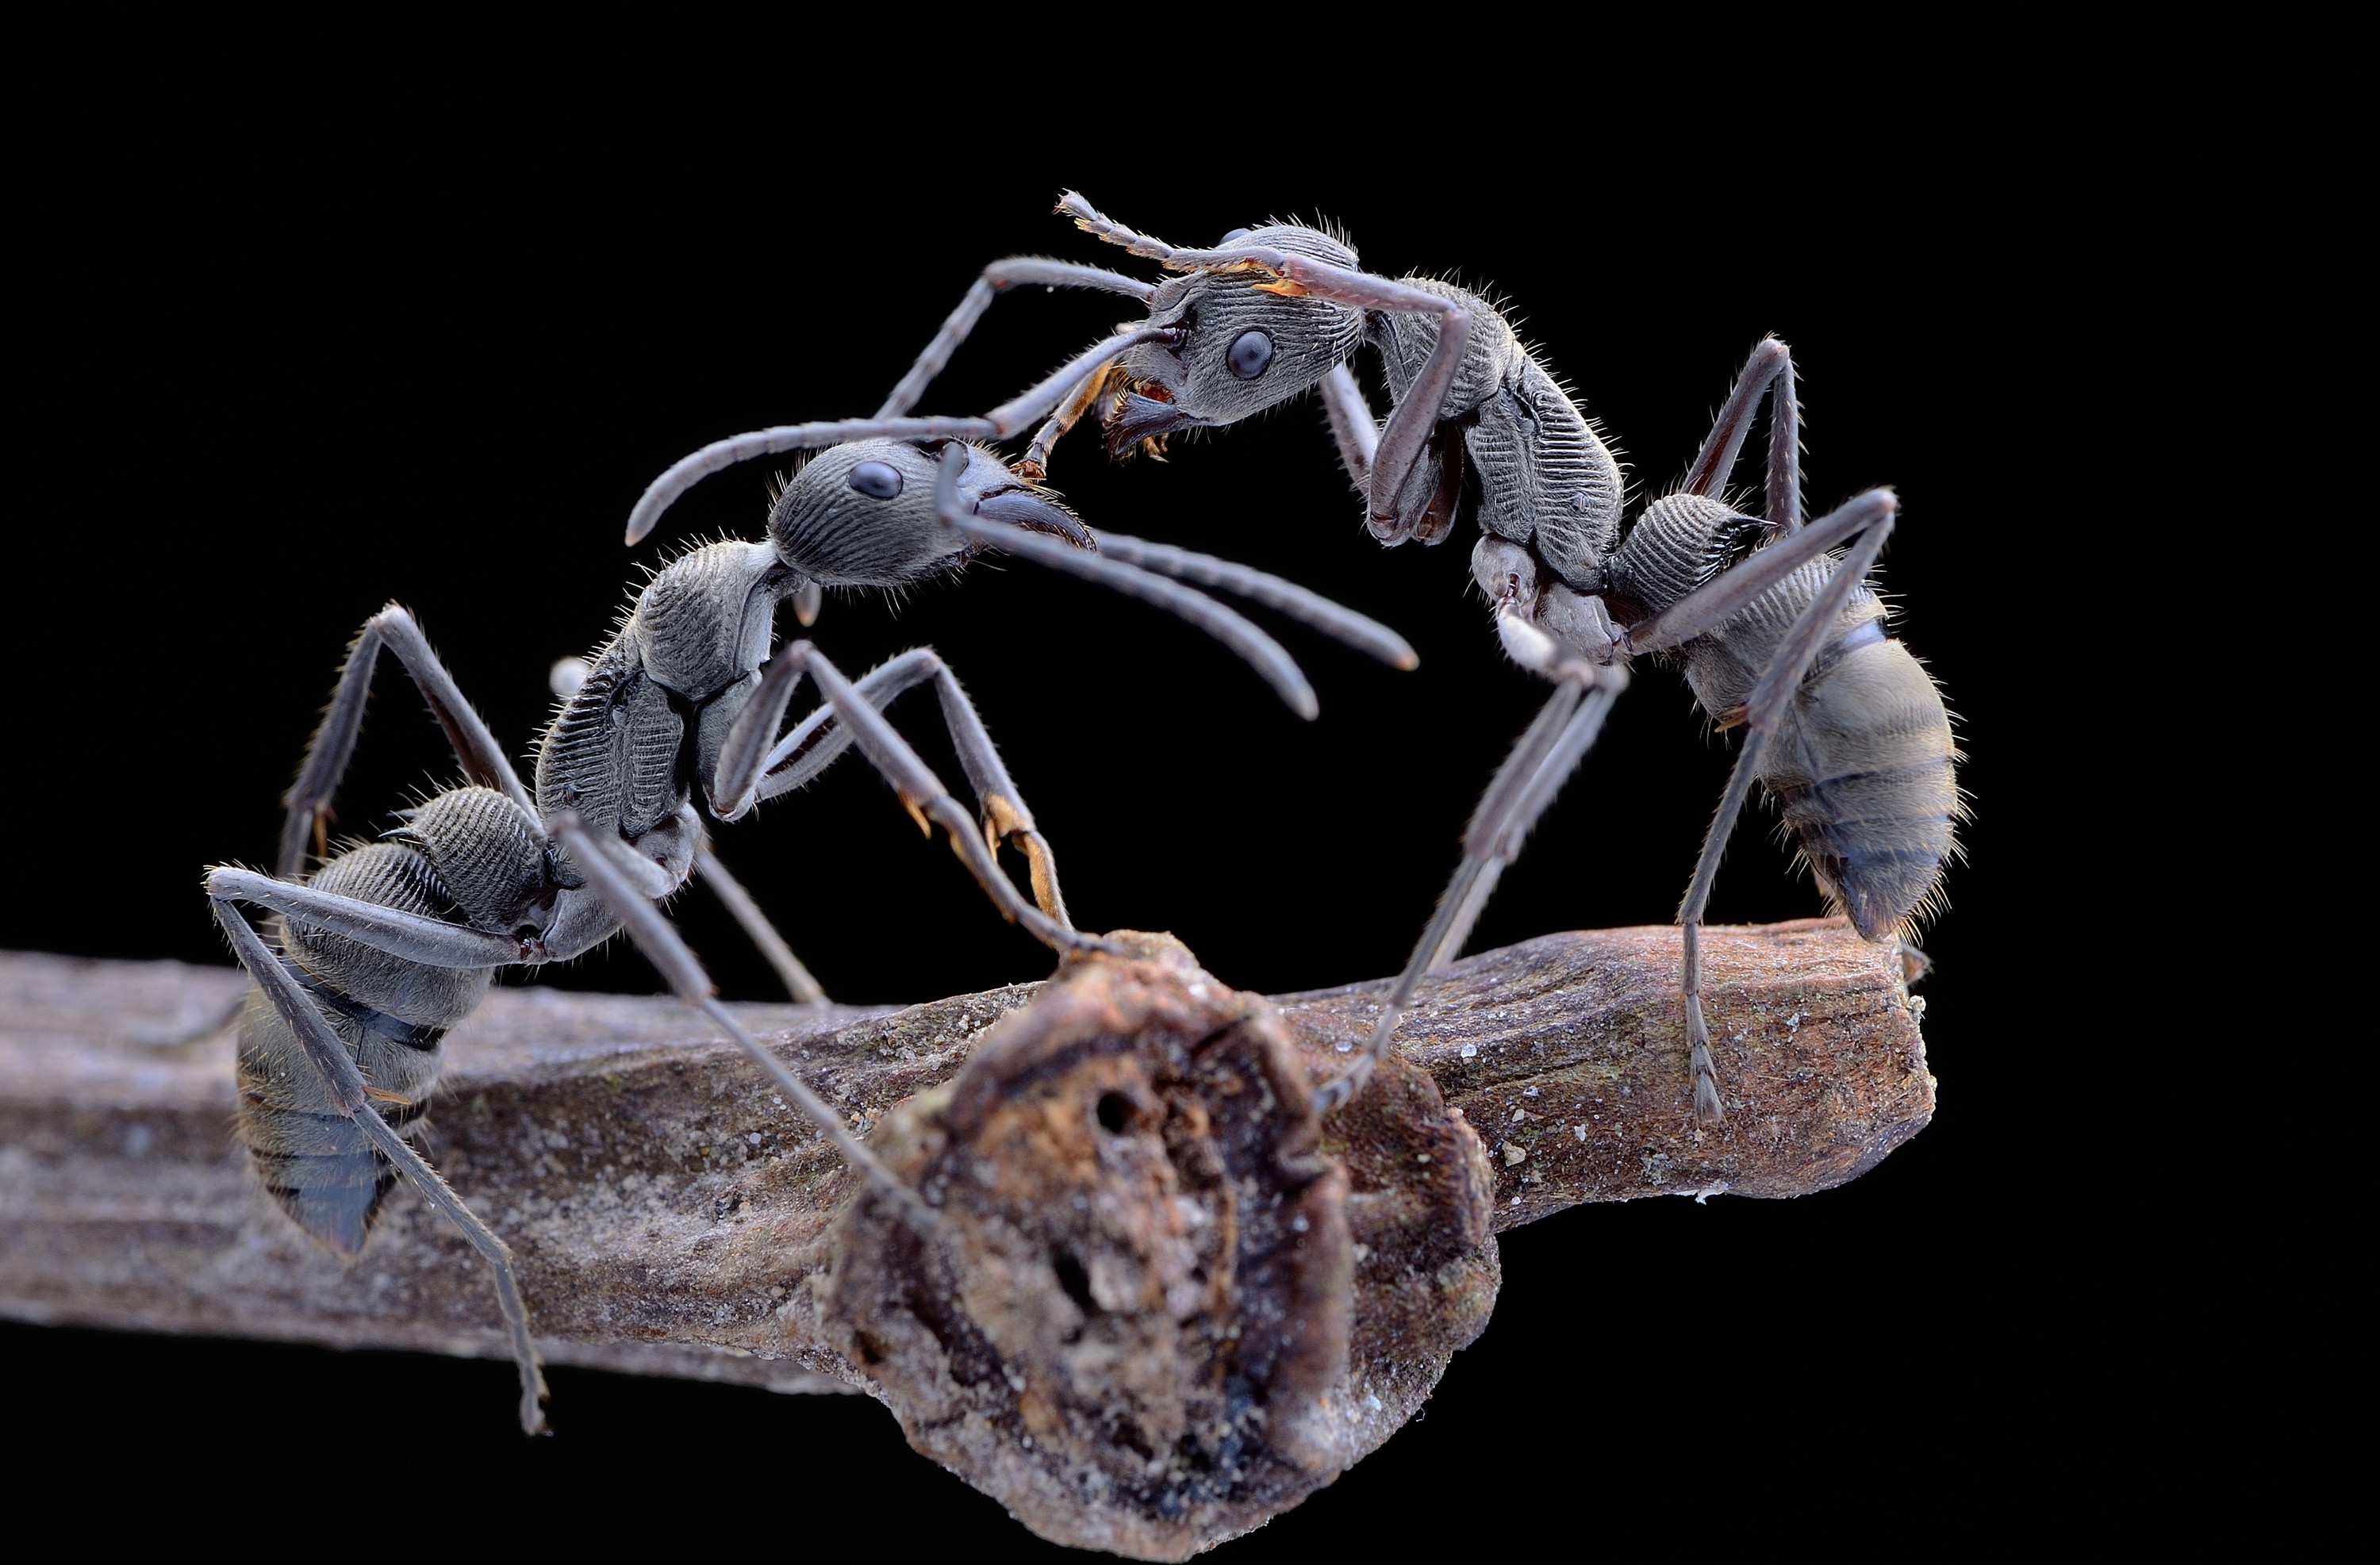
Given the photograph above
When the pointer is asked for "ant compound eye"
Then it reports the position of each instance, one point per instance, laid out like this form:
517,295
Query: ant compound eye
1250,354
1235,237
882,481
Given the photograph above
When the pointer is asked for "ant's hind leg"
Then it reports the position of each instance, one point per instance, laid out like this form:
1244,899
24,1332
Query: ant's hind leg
429,942
351,1097
1770,368
1770,697
333,744
1727,594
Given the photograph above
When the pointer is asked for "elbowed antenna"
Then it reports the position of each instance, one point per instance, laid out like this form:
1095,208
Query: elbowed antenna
1096,223
1010,419
1268,657
1308,608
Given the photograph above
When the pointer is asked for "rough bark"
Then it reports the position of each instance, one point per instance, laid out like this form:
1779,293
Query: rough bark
672,1217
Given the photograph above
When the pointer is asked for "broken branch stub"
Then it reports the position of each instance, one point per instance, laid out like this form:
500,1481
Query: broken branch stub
1133,1328
670,1216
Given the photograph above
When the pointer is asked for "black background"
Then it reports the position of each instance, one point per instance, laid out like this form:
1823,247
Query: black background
281,379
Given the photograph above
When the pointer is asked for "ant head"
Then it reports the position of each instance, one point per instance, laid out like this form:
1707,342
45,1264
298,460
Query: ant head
1241,345
864,515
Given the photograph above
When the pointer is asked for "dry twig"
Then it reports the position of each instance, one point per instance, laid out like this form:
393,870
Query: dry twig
672,1217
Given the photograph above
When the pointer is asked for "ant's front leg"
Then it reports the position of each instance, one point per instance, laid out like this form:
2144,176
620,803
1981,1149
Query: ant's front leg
1352,429
819,740
1404,444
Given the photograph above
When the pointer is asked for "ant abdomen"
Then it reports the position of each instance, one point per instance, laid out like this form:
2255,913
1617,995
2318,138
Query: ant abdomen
1862,762
1863,768
391,1014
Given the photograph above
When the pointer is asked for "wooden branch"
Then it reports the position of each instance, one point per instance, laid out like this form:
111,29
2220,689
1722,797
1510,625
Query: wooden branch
671,1217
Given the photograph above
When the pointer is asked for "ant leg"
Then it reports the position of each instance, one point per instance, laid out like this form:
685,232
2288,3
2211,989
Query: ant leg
429,941
730,891
1766,706
1541,761
333,744
820,740
920,792
1405,441
1770,366
1309,609
1725,595
1783,509
1551,773
1005,814
1466,917
600,860
746,776
1010,419
352,1098
1352,429
996,280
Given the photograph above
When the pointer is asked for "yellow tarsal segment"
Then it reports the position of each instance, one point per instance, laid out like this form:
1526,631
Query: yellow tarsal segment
1045,884
1003,818
917,814
384,1096
1285,288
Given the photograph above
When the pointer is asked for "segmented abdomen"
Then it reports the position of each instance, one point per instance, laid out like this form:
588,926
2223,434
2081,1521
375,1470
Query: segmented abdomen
1862,761
391,1014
